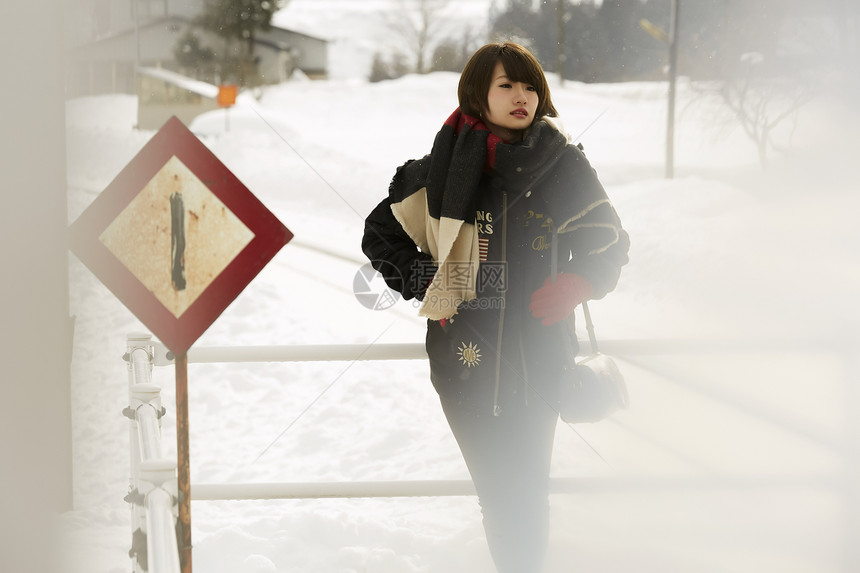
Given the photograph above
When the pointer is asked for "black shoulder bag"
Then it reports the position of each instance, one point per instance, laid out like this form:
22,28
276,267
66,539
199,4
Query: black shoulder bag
592,388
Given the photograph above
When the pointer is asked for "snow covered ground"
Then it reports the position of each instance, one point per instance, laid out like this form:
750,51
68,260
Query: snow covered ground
734,460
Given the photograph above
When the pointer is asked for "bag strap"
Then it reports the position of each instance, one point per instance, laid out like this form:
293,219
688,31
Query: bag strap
589,325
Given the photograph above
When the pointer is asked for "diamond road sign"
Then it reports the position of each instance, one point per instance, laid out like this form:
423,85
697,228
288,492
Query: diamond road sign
176,236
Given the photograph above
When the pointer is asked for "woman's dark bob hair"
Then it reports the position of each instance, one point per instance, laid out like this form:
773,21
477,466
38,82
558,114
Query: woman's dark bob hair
520,66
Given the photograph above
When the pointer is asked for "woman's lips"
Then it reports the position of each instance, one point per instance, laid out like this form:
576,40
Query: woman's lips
520,113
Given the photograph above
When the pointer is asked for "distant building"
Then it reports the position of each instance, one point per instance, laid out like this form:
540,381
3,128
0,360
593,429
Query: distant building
163,94
108,41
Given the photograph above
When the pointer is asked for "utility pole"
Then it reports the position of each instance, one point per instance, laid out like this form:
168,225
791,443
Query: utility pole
561,56
673,73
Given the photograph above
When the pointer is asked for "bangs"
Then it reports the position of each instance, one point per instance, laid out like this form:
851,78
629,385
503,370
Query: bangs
519,69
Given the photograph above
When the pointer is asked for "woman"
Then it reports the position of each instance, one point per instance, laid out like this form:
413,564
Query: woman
467,230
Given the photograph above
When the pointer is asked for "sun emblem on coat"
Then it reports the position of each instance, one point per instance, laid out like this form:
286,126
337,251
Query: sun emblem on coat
470,355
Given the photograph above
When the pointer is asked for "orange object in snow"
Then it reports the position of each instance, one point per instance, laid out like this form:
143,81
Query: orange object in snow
227,95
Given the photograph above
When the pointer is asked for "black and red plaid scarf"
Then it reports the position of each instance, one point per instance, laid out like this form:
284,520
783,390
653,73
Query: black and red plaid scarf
435,198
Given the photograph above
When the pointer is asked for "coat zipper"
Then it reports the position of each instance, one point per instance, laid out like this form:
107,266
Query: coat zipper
496,408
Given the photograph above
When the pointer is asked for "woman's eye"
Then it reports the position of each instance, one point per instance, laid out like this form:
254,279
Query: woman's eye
531,88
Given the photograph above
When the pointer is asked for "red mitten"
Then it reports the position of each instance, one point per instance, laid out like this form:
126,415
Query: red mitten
554,301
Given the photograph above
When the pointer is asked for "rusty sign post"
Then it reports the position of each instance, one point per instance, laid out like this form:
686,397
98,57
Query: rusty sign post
176,237
183,462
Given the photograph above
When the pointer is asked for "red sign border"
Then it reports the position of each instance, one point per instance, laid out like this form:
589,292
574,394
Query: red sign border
270,235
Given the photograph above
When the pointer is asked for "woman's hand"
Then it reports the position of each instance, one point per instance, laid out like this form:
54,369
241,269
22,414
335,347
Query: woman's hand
554,301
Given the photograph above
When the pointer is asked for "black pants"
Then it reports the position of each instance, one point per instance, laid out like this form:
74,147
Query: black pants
508,457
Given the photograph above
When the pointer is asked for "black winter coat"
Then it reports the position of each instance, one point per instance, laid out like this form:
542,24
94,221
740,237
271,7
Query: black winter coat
493,356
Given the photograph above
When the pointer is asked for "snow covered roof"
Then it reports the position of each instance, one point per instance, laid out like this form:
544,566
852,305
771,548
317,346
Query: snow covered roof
174,20
195,86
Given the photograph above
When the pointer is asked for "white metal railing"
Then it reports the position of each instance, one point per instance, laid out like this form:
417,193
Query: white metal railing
152,483
158,355
416,351
447,488
295,353
435,488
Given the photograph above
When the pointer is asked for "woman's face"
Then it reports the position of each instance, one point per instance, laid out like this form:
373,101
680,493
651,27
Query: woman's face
511,105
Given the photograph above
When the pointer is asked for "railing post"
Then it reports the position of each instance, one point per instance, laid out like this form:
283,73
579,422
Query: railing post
138,349
158,486
146,401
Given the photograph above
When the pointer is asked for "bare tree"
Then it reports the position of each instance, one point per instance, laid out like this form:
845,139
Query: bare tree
236,23
760,104
451,54
420,23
